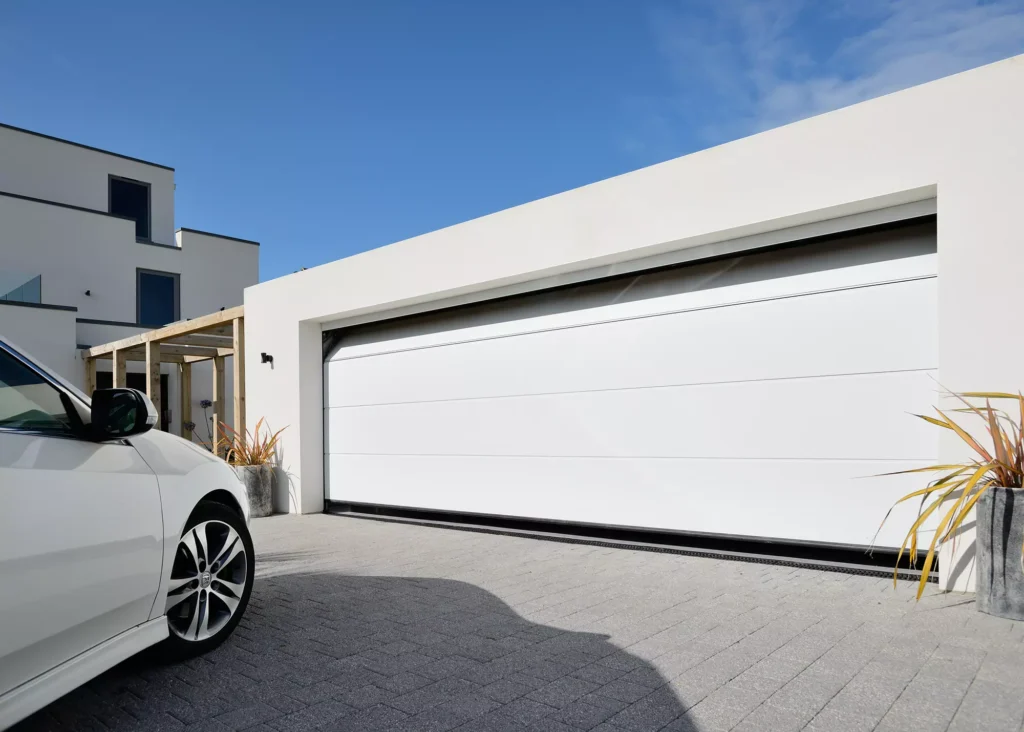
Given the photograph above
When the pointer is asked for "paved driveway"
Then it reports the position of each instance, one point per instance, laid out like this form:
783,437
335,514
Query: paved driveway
367,625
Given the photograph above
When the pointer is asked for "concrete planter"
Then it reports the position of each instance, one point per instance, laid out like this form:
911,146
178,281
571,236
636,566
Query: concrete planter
259,486
1000,586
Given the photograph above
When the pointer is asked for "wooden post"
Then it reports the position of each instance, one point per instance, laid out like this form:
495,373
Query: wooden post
120,370
90,376
238,364
218,401
185,389
153,378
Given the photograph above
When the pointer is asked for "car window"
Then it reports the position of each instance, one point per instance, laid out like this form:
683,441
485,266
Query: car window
27,400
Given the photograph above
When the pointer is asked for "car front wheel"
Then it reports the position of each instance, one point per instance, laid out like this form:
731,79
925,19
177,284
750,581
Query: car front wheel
211,580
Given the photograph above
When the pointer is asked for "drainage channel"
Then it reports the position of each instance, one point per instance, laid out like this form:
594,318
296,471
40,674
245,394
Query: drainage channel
868,570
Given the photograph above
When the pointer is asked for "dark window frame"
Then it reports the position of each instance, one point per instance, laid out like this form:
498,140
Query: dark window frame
175,276
149,202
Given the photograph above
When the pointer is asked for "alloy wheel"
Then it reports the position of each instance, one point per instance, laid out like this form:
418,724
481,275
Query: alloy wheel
207,580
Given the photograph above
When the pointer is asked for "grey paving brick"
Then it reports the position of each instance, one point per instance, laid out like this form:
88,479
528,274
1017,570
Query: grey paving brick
450,714
311,717
492,723
432,695
928,702
587,712
549,725
598,674
808,693
404,682
989,706
365,696
770,717
206,725
724,708
506,690
380,718
652,712
450,666
351,627
563,691
525,710
623,690
248,715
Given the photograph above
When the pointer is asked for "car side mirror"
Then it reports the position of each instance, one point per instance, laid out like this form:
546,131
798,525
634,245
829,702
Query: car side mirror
121,413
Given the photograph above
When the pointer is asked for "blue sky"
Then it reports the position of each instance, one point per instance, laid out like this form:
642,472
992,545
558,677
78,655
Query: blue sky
323,129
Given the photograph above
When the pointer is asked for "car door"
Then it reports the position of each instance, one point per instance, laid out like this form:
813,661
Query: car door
80,529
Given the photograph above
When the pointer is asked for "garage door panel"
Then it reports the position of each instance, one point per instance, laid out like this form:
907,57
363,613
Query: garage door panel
883,328
822,418
804,500
753,409
700,286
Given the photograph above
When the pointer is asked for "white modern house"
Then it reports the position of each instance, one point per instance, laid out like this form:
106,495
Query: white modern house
89,254
722,344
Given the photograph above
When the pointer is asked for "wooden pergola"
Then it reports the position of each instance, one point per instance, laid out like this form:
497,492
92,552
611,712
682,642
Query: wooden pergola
212,337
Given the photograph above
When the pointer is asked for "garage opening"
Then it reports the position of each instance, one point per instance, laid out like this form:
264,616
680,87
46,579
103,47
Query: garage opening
741,399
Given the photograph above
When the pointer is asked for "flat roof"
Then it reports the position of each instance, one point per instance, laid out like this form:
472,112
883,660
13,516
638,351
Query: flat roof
86,147
218,236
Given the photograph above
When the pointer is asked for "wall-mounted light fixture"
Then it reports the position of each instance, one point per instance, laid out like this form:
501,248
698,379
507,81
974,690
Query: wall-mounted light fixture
266,358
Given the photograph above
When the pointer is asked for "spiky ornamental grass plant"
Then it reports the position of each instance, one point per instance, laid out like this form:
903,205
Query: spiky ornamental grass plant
960,485
256,448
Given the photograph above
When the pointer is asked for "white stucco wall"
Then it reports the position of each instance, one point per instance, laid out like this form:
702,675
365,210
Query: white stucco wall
957,139
75,251
54,170
215,271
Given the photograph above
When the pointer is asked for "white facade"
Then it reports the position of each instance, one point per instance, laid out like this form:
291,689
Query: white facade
55,225
952,146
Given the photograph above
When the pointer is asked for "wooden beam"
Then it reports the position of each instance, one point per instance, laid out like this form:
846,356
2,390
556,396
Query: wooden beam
153,377
185,391
218,402
238,364
107,348
120,369
140,356
173,350
200,339
220,330
197,324
90,376
219,322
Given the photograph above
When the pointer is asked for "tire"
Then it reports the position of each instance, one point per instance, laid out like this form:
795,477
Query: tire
206,599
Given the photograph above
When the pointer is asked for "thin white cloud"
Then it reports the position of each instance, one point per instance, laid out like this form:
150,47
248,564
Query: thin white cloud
740,66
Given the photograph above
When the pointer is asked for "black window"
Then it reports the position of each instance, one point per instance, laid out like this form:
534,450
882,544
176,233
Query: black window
156,297
131,198
28,401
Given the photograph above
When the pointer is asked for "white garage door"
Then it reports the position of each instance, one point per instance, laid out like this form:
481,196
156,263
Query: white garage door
747,397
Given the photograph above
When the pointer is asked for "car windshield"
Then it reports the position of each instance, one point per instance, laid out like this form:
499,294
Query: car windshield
50,373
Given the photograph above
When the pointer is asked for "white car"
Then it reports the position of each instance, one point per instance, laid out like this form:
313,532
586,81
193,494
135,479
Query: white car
113,537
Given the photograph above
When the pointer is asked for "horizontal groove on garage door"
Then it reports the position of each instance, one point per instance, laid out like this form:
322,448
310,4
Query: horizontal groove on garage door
645,316
637,388
906,239
824,557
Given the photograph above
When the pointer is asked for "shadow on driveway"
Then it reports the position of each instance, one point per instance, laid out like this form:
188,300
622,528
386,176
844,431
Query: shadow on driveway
332,652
